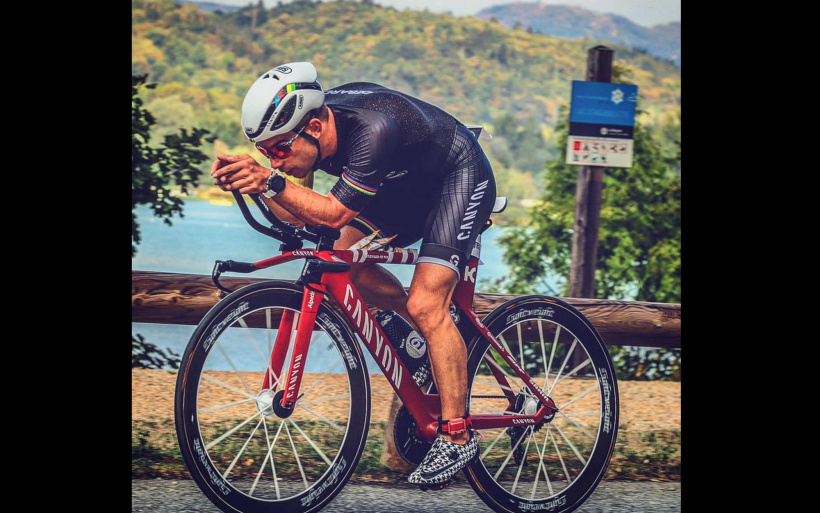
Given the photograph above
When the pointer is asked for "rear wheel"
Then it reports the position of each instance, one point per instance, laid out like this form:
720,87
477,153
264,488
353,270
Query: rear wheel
244,454
557,464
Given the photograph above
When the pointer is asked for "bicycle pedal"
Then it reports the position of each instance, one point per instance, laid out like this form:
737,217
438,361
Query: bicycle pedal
437,486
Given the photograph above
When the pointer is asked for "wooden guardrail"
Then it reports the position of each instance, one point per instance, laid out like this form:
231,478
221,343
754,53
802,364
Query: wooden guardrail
175,298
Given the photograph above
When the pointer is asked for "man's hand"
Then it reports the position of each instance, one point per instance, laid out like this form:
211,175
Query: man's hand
240,173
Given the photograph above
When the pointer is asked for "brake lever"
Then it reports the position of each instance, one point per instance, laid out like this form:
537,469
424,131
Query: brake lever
221,266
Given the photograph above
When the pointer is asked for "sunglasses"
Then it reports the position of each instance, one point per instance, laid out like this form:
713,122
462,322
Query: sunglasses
282,150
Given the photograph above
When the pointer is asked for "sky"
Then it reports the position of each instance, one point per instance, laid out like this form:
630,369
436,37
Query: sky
647,13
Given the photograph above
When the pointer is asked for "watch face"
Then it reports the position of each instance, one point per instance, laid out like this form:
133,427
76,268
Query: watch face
276,183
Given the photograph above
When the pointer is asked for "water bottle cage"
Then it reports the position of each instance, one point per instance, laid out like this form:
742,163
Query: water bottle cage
455,426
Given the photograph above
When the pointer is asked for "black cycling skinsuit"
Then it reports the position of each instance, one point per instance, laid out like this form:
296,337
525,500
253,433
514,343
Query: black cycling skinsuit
410,169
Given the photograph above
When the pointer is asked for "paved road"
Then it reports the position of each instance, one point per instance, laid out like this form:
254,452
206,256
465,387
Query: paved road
182,496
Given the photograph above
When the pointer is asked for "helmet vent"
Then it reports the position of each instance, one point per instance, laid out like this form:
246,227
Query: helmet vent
285,114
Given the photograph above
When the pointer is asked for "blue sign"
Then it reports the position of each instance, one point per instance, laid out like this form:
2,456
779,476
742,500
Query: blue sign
601,124
602,105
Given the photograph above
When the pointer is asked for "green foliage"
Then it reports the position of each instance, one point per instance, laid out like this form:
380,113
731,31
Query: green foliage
519,147
160,175
646,363
477,69
148,356
639,238
514,82
638,256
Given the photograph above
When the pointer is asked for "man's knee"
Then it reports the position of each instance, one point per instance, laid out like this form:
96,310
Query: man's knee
425,309
429,300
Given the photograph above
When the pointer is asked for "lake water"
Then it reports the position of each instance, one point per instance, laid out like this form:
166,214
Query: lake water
211,232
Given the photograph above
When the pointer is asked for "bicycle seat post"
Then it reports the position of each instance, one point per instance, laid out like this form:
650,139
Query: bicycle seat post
327,236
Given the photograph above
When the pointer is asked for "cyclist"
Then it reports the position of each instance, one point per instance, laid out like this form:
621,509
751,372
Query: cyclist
406,169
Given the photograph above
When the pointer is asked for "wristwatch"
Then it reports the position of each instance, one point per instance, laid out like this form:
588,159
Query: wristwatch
276,183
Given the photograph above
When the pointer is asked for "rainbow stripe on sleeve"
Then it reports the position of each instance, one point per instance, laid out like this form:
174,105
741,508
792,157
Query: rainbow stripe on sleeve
364,189
369,224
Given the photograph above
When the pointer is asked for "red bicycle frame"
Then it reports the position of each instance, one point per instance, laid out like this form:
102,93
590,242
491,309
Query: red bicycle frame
327,273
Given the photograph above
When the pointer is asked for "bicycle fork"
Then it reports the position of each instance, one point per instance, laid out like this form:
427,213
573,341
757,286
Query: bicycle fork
285,398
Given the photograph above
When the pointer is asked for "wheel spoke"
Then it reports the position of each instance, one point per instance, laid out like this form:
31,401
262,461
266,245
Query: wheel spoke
563,366
523,460
316,448
569,443
554,348
230,432
336,397
509,455
296,456
541,466
323,419
227,423
564,354
268,457
560,458
504,343
591,389
497,384
242,449
492,444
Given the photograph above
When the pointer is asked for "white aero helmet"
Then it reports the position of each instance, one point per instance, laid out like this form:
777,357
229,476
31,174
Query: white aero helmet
279,100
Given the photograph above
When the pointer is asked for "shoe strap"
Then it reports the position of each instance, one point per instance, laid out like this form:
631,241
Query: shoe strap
455,426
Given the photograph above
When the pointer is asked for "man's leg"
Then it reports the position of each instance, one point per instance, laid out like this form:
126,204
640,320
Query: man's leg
429,305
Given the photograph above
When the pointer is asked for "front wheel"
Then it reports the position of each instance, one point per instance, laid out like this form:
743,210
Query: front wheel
245,454
557,464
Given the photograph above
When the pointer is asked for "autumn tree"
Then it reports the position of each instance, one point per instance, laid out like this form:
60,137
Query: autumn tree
639,244
155,171
160,175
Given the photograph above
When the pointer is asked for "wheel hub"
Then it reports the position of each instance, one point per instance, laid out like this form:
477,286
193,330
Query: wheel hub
269,403
264,402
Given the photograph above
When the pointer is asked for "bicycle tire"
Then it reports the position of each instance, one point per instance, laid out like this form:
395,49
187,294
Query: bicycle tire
557,464
241,454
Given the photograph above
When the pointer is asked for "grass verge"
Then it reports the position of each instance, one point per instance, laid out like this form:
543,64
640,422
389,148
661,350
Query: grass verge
652,456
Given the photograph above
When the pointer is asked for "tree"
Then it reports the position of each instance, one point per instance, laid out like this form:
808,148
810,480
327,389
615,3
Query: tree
159,175
154,171
149,356
639,255
639,240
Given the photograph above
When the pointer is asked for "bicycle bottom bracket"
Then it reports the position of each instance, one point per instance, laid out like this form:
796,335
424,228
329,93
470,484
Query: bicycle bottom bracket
410,447
269,403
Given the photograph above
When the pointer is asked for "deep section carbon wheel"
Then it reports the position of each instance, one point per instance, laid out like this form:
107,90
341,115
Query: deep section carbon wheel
556,464
245,453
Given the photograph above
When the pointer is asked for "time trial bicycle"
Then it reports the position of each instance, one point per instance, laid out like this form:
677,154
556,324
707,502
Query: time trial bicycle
273,396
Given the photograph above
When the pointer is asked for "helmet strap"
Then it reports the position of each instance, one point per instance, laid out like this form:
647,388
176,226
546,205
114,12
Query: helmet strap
315,142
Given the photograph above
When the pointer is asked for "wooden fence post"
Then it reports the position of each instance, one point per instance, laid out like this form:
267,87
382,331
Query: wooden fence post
588,197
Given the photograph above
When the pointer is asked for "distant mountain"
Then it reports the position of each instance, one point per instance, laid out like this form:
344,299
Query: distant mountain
216,6
564,21
662,41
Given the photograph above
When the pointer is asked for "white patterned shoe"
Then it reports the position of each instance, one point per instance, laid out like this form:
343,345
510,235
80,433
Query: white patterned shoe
444,460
